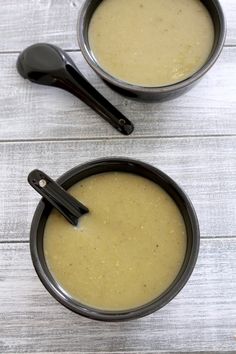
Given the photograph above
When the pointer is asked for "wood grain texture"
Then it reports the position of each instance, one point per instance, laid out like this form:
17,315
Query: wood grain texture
29,111
55,21
142,352
204,167
26,22
202,317
146,352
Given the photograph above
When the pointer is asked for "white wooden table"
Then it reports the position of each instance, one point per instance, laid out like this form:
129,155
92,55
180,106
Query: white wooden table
192,138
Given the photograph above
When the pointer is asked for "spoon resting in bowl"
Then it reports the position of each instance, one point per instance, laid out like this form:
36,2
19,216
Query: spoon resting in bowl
60,199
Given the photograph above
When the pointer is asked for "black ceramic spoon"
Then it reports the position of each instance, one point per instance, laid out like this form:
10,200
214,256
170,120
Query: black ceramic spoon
67,205
46,64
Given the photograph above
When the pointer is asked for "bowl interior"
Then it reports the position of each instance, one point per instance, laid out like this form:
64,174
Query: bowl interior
124,165
89,8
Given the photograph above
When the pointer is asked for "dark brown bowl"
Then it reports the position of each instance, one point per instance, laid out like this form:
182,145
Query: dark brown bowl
125,165
151,93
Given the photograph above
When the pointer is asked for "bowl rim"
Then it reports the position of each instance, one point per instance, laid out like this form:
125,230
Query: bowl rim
57,292
93,63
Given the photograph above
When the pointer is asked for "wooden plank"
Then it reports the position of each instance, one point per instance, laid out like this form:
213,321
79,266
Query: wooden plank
149,352
55,22
142,352
204,167
201,318
30,111
229,7
35,21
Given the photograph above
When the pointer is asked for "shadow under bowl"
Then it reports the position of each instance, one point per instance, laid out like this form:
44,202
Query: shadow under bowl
121,165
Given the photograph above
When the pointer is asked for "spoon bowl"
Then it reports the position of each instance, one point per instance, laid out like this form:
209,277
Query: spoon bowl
46,64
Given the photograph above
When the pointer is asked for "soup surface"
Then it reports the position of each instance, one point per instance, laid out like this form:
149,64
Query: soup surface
126,251
151,42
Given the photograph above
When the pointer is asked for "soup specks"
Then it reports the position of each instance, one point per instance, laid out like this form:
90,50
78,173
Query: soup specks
126,252
153,42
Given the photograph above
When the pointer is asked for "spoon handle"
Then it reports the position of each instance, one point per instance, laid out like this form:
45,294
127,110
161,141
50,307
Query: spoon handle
46,64
81,88
67,205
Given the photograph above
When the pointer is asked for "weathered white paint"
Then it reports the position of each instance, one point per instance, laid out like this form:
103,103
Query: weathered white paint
204,167
30,111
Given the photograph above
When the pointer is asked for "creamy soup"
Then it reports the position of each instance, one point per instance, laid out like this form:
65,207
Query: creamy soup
126,251
151,42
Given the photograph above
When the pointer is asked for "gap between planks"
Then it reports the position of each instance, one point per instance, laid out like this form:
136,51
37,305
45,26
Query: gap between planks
113,137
